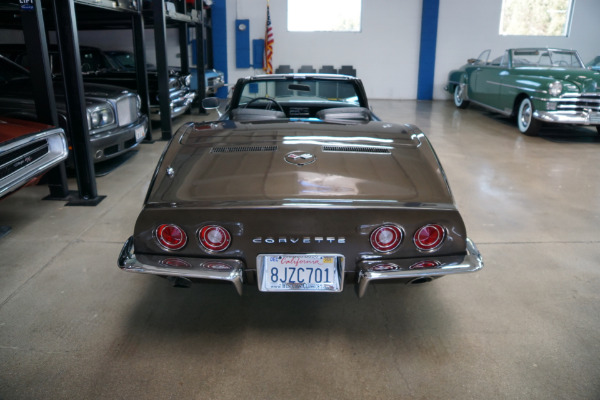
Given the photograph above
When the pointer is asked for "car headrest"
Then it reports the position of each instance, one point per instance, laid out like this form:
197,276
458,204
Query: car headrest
345,114
255,114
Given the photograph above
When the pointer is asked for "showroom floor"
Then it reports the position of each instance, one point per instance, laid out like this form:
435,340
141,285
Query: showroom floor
72,325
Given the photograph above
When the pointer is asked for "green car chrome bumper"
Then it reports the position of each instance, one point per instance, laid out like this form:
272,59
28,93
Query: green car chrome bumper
569,117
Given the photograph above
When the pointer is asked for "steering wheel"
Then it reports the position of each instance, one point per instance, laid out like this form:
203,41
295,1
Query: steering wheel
269,100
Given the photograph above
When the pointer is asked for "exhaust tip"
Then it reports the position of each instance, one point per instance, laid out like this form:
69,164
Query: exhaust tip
418,281
179,282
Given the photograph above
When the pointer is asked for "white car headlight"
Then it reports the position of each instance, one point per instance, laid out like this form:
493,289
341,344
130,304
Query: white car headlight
555,88
100,116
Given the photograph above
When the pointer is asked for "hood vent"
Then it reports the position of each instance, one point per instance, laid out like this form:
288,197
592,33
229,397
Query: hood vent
242,149
356,149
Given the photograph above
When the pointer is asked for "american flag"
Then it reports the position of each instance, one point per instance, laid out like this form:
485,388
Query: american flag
269,40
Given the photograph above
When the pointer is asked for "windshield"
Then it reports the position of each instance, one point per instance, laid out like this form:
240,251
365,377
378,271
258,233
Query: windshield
301,90
92,60
546,58
125,60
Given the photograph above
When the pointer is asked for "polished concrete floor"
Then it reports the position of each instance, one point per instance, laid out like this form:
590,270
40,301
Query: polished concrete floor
72,325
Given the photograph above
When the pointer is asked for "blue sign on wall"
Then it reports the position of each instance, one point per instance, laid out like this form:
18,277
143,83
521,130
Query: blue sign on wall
242,43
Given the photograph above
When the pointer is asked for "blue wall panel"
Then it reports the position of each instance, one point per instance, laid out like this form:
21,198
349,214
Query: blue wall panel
242,43
429,24
258,53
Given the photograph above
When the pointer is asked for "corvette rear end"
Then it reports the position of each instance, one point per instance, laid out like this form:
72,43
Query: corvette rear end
299,206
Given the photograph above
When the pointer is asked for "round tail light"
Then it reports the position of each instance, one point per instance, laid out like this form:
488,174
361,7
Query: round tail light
429,237
171,237
386,238
214,238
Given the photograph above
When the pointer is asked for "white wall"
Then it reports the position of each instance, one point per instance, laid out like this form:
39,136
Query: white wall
467,27
385,53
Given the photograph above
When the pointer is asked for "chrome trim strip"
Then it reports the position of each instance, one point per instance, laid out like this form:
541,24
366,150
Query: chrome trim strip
517,87
471,262
199,267
57,152
334,204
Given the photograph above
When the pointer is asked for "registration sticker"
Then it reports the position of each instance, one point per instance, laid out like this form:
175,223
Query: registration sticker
300,272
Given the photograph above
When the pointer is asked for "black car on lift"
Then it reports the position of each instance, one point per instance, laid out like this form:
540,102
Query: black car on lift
97,67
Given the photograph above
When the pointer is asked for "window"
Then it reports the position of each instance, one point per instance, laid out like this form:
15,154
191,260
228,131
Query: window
536,17
327,93
324,15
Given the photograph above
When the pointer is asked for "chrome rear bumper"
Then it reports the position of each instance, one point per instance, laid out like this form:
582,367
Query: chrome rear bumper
231,270
185,267
413,268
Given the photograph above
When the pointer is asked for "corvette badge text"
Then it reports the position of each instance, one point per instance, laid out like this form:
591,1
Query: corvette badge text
306,240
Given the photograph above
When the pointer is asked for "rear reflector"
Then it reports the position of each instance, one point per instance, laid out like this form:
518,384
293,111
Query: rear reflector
217,266
425,264
385,267
175,262
170,237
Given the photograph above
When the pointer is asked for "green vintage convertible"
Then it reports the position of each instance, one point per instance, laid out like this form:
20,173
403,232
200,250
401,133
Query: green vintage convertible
535,85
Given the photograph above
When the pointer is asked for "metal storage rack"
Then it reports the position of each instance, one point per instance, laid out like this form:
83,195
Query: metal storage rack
37,17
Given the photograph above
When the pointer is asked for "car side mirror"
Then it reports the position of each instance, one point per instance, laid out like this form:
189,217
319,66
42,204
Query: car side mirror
211,103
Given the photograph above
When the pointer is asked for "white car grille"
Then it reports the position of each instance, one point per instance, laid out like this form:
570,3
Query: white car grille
127,110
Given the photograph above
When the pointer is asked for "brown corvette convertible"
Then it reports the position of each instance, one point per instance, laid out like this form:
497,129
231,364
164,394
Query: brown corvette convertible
299,187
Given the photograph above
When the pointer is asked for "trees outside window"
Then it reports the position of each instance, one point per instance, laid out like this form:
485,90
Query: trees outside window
536,17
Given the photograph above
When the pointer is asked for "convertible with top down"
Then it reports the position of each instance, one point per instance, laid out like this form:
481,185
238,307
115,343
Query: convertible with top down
299,187
535,85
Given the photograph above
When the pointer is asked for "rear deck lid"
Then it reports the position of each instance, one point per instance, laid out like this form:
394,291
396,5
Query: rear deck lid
286,163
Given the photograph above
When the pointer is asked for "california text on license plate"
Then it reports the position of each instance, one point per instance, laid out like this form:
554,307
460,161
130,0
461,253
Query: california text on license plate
300,272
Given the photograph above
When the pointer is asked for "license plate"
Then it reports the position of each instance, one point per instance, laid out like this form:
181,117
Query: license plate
300,272
139,133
